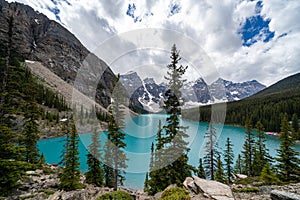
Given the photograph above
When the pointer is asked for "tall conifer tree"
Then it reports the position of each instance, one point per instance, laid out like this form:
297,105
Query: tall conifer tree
94,175
70,177
200,171
248,149
171,139
228,157
238,167
31,134
220,175
288,161
261,153
211,152
114,148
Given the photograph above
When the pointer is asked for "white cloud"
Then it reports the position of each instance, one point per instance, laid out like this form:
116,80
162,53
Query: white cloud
213,24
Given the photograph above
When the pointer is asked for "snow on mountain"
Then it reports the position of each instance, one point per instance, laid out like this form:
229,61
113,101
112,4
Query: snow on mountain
149,95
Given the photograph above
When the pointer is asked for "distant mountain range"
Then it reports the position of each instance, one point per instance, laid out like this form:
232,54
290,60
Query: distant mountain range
149,95
266,106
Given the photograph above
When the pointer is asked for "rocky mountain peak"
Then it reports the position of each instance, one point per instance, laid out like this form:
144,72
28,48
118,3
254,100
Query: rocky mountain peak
148,93
34,37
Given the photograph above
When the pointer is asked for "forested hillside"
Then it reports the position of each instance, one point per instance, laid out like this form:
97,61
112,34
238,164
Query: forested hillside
25,102
267,106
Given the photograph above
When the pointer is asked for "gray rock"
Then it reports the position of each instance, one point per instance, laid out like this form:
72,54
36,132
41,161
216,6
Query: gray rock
241,176
158,195
187,181
214,189
265,189
30,173
55,196
282,195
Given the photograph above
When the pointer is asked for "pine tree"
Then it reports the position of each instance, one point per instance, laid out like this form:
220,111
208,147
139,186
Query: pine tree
146,183
155,175
220,175
115,156
70,177
42,160
108,175
66,131
261,153
8,139
248,149
200,171
211,149
228,157
171,142
295,122
238,167
10,156
267,176
94,175
288,162
31,134
295,125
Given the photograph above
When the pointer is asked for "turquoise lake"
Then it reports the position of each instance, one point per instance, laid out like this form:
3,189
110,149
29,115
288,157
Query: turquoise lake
140,133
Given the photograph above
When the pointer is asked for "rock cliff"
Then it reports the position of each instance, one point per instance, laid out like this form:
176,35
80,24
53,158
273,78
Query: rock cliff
34,37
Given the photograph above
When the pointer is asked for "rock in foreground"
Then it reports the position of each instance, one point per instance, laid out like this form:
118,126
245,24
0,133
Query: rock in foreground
206,189
282,195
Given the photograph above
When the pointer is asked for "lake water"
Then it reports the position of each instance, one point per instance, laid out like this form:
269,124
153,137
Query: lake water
140,133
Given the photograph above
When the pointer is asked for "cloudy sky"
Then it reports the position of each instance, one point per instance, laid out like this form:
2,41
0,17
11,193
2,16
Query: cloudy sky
242,39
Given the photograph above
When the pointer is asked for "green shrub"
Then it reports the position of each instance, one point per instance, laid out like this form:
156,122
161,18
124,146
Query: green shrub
175,194
117,195
248,180
246,190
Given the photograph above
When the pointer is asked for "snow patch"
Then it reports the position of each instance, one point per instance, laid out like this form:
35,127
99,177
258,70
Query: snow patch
29,61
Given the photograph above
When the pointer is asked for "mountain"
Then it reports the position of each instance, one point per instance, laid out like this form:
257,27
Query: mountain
149,95
145,95
266,106
284,88
33,36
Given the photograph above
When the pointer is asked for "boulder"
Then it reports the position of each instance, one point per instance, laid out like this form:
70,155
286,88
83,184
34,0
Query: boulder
158,195
282,195
55,196
30,173
241,176
213,189
187,181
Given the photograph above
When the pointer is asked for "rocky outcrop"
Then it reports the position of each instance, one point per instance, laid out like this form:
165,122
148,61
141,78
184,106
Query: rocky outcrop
43,184
283,195
34,37
205,189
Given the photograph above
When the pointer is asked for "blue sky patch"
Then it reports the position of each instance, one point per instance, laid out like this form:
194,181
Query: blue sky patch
131,9
67,2
174,8
256,28
56,12
54,2
131,13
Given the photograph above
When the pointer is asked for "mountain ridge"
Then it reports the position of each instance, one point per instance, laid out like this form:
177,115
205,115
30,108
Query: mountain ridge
35,37
149,95
267,106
